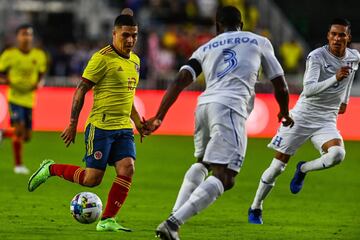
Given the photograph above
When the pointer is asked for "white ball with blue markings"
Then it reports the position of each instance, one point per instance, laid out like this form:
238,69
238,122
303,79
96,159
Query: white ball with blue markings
86,207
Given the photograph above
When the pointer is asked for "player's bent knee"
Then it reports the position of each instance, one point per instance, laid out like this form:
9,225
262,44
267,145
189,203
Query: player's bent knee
229,184
125,167
129,169
337,153
92,182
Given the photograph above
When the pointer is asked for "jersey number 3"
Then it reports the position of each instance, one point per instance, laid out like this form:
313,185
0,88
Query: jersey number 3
230,60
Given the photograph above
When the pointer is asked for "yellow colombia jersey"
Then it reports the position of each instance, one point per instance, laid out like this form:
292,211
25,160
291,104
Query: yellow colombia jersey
115,79
22,70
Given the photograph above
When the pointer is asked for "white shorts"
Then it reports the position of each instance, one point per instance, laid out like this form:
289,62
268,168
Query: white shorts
220,135
288,140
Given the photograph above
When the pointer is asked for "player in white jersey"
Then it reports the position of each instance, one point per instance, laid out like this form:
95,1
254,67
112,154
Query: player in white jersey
328,78
230,63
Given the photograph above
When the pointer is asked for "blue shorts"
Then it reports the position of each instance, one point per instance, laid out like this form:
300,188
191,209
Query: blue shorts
107,146
20,114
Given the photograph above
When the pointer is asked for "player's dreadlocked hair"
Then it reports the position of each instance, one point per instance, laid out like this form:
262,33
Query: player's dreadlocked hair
342,22
229,16
126,18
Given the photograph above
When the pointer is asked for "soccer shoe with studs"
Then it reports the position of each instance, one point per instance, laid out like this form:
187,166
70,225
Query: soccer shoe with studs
164,232
297,182
255,216
110,225
41,175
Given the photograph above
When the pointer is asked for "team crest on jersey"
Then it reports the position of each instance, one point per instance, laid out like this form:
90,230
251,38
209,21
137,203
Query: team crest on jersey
98,155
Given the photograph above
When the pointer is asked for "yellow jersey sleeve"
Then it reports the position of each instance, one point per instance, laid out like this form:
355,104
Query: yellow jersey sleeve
5,61
42,62
95,69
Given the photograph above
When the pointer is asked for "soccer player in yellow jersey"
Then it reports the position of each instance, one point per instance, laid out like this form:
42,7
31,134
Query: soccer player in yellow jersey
22,67
113,72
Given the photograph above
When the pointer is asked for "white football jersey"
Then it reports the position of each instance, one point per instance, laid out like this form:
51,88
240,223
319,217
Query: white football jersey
323,94
231,63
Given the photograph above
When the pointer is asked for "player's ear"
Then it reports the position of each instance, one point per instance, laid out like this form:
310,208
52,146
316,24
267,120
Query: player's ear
328,35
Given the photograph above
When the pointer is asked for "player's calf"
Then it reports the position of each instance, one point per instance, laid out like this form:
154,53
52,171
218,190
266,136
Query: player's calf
334,156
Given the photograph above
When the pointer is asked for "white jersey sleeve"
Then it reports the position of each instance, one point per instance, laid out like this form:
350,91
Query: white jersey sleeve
354,68
196,56
347,93
312,85
269,63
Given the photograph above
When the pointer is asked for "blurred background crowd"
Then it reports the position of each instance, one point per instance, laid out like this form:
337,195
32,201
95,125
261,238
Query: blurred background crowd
169,31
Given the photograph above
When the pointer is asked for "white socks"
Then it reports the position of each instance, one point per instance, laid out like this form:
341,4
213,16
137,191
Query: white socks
334,156
202,197
192,179
267,181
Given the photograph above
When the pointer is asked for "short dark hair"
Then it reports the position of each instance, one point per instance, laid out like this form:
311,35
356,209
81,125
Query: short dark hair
125,20
342,22
23,26
228,16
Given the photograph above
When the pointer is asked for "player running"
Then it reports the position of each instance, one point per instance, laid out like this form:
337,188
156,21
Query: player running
230,62
328,77
114,73
22,68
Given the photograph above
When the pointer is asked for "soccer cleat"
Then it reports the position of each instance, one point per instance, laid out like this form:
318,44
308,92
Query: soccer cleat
255,216
297,182
21,169
110,225
164,232
41,175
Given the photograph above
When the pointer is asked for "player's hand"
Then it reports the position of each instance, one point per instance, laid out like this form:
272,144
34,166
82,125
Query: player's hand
286,120
151,125
34,87
69,134
342,108
4,80
140,127
342,73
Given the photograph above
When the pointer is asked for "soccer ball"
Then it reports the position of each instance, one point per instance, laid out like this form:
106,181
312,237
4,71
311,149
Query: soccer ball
86,207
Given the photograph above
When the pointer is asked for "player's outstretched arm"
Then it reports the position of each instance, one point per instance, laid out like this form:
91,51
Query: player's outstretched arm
282,98
69,134
183,79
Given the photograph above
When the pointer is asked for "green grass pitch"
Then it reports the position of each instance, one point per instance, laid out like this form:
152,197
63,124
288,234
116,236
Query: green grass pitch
327,207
